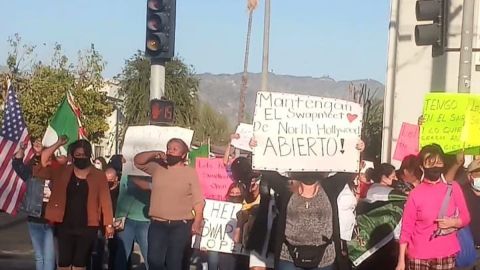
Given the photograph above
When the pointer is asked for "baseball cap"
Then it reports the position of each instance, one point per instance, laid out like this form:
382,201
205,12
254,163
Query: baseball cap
474,166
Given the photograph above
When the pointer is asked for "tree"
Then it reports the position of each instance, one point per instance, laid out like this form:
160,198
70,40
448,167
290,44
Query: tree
41,87
372,120
212,125
181,87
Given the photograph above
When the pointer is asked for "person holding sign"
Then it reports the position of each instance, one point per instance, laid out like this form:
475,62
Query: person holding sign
305,233
176,204
433,213
228,261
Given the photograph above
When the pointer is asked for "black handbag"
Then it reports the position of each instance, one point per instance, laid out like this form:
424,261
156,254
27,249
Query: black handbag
307,256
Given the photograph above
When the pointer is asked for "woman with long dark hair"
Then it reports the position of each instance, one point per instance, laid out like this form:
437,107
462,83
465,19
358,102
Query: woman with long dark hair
304,232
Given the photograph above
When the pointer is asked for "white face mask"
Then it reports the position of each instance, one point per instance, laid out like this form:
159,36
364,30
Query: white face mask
98,166
476,184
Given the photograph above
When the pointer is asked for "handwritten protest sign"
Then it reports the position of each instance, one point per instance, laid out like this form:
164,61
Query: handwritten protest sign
246,133
149,138
452,121
407,143
220,221
213,178
306,133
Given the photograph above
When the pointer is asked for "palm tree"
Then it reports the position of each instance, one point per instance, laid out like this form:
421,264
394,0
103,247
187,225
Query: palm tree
251,5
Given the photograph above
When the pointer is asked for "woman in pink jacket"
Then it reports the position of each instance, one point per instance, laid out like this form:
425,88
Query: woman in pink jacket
427,241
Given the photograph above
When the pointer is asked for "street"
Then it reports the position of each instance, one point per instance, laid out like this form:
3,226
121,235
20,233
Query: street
16,252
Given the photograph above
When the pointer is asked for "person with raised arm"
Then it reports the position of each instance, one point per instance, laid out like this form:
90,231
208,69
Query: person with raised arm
34,204
79,201
176,204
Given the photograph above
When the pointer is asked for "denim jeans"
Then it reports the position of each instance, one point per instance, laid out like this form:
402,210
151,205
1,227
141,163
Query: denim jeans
43,245
286,265
167,242
134,231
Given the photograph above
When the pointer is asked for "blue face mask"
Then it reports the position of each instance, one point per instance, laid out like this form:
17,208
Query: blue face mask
476,184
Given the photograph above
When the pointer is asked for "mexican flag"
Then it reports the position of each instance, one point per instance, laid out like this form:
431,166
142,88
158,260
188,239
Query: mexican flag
202,151
65,121
378,221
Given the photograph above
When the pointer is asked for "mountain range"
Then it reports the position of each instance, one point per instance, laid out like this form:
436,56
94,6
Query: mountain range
222,91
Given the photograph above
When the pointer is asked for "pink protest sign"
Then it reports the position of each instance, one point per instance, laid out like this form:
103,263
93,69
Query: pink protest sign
213,178
407,143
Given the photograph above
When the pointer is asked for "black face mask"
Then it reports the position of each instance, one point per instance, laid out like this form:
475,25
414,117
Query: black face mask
433,174
235,199
111,184
172,160
81,163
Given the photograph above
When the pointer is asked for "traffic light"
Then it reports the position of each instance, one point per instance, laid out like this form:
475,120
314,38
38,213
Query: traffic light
161,111
160,38
433,34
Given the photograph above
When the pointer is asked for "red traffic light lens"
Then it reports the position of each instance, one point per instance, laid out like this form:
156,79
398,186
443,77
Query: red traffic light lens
154,4
154,23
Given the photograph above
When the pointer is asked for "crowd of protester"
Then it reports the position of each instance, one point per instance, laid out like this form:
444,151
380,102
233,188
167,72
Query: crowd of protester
84,214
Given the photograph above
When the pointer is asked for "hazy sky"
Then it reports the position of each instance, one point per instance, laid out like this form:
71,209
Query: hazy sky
345,39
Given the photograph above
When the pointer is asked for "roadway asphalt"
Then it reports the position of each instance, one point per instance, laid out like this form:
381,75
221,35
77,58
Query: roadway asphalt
16,252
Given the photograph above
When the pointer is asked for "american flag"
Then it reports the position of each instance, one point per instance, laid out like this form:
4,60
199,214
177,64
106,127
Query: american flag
13,133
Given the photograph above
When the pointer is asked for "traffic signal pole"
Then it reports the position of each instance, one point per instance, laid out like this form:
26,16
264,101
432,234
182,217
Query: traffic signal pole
465,65
157,78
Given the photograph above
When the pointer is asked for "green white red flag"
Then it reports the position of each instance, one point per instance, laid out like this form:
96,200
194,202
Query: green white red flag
65,121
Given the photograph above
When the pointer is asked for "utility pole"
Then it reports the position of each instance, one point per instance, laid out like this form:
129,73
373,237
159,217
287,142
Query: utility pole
266,42
157,78
465,65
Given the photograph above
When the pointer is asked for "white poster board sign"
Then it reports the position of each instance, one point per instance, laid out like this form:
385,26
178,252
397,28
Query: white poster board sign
220,221
149,138
246,133
306,133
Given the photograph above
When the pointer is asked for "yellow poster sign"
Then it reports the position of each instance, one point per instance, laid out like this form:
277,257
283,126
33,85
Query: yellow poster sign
452,121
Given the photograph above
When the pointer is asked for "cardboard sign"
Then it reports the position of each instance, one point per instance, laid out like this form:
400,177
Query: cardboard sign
407,143
149,138
213,178
246,133
452,121
220,221
306,133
